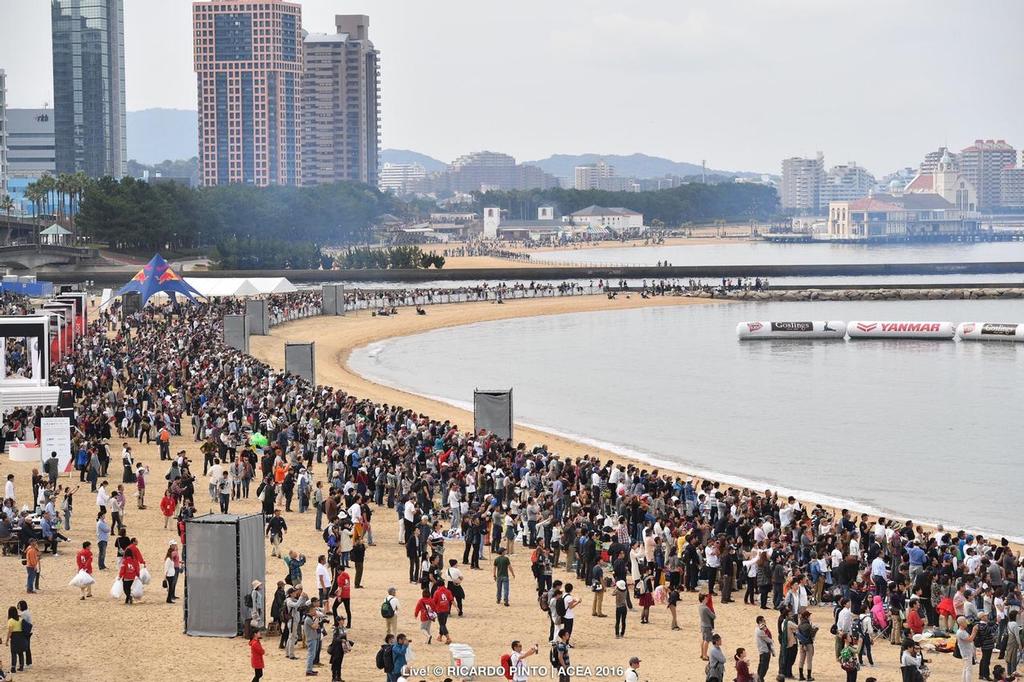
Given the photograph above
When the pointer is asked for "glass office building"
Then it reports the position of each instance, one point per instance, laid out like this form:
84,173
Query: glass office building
88,87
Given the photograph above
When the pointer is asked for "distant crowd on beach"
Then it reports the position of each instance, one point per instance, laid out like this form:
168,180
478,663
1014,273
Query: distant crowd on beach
832,588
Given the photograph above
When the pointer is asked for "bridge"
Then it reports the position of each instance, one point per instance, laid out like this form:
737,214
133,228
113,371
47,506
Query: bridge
32,256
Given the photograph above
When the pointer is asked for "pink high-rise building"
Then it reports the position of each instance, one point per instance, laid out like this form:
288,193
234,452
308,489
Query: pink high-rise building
248,61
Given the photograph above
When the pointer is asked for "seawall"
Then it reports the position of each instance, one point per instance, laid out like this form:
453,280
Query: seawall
525,272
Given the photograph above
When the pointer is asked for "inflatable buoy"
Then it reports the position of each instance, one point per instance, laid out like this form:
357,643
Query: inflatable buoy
791,330
875,329
990,331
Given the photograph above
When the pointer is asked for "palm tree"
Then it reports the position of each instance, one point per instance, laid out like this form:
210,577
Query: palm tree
34,193
63,185
48,184
7,205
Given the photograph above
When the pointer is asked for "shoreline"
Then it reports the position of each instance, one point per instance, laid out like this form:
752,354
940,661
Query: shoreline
335,348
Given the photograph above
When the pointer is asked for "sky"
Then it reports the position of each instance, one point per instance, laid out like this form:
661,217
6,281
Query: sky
740,84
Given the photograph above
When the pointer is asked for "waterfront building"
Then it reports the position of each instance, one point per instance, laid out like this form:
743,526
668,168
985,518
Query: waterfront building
918,215
1011,186
846,182
947,182
248,63
802,182
603,218
982,164
341,104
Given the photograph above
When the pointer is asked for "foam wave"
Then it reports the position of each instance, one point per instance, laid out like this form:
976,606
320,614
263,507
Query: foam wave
688,468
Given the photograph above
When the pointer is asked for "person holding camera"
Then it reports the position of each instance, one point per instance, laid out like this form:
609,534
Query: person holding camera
312,631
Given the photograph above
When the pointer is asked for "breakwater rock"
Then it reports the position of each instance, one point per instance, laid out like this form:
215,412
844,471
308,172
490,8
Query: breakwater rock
867,294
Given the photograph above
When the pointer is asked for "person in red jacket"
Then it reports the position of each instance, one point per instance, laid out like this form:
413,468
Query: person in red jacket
442,607
84,562
128,572
343,595
256,652
167,506
425,612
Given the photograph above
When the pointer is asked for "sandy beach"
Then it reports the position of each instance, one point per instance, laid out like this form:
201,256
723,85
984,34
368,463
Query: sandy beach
91,640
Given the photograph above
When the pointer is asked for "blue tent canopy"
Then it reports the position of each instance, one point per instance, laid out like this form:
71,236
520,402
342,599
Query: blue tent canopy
157,276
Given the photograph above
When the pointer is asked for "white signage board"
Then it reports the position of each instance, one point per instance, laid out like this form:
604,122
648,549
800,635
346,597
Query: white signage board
56,437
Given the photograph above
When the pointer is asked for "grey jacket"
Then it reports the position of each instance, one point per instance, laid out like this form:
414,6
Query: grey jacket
707,617
765,643
716,663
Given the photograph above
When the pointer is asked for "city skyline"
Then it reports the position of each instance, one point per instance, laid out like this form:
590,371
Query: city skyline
769,82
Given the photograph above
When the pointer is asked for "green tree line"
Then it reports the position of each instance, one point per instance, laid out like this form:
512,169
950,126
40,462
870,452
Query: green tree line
394,257
131,214
690,203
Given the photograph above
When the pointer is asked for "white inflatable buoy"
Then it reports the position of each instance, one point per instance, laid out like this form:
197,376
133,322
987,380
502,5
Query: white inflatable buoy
876,329
791,330
990,331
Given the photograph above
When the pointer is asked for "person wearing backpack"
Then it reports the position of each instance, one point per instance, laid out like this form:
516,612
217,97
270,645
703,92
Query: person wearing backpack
389,611
513,666
385,658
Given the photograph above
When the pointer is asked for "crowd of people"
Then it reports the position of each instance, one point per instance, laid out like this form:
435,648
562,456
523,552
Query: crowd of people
651,538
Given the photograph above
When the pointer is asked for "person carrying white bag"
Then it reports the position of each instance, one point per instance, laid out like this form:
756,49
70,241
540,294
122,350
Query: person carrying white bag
83,580
131,569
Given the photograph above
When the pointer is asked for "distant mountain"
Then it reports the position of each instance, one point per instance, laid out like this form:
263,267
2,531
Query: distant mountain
156,135
429,163
634,165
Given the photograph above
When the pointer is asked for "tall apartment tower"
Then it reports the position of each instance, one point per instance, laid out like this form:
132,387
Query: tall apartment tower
248,62
982,164
802,182
592,175
341,104
88,87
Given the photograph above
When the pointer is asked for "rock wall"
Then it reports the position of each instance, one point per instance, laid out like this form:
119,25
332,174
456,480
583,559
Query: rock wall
868,294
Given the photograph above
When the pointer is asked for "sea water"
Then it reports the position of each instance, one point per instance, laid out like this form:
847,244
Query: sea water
928,430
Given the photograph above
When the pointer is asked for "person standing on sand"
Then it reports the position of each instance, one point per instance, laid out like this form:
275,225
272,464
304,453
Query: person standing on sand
102,538
502,572
32,567
389,611
172,567
83,560
765,648
256,652
620,609
706,616
716,660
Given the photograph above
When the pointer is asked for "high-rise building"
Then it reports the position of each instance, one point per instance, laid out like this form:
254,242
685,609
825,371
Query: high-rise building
982,164
248,62
31,151
340,104
1011,185
3,132
400,178
591,175
802,181
932,159
846,182
88,87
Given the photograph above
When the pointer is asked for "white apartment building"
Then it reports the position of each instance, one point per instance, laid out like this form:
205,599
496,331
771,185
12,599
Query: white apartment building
400,178
802,182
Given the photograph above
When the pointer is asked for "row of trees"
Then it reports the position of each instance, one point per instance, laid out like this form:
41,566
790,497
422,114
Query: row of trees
690,203
394,257
133,215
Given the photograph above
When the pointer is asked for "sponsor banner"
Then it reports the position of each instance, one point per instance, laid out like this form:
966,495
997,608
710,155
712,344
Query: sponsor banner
991,331
877,329
792,326
998,329
826,329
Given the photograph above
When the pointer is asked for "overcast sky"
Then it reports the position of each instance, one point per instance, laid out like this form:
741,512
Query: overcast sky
741,84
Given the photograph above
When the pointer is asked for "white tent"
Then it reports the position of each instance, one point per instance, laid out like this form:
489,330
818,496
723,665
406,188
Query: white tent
272,285
223,286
